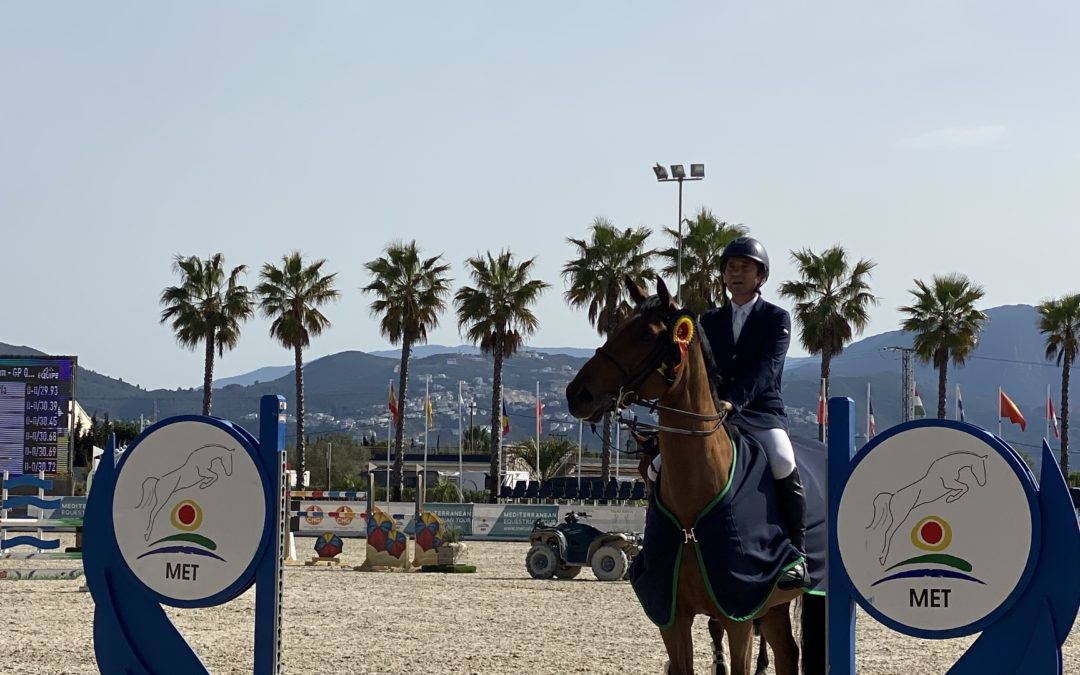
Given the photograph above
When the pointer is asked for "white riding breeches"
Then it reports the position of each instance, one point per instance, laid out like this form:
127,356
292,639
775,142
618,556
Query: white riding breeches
777,446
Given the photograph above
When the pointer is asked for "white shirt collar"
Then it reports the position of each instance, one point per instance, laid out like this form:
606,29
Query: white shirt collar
736,308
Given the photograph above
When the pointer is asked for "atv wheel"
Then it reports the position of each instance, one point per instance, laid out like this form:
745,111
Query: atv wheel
568,571
541,561
609,563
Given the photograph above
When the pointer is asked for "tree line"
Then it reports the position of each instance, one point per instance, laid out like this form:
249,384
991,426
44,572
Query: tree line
410,292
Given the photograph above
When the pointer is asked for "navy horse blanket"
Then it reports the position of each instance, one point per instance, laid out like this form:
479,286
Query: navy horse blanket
737,539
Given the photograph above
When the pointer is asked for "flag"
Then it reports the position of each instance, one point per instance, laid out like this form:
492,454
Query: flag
959,405
871,426
427,406
821,404
392,404
461,406
1051,417
505,420
539,418
920,411
1009,409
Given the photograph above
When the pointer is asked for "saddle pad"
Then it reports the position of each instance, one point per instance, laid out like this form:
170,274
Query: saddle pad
740,547
811,457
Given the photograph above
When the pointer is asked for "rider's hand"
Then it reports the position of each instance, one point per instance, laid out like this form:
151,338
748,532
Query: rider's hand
726,407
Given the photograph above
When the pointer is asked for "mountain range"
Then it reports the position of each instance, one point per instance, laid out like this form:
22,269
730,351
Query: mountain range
349,389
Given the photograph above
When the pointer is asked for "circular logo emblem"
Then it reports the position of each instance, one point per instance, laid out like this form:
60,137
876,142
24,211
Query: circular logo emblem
313,515
343,515
189,510
936,527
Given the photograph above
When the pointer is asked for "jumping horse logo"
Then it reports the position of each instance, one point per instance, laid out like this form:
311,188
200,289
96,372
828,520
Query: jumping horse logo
197,470
944,478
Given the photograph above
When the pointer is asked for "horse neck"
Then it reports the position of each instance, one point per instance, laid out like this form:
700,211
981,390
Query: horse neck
694,468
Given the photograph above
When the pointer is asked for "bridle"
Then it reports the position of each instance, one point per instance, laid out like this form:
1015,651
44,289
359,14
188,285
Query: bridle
666,358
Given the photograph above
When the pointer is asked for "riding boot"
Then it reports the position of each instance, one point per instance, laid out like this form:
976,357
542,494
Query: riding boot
791,499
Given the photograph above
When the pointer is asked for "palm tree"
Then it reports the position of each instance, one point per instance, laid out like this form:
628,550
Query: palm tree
1059,321
595,279
410,293
477,438
207,307
291,295
832,302
703,242
945,323
497,315
557,457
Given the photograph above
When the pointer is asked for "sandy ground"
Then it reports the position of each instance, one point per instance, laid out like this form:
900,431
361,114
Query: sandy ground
495,621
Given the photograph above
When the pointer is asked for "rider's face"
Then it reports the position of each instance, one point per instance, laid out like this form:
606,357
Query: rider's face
742,276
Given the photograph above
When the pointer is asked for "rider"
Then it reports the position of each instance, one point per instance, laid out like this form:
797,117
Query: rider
749,338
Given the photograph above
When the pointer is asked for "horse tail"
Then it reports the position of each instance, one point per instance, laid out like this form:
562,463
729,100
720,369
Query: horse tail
881,506
148,488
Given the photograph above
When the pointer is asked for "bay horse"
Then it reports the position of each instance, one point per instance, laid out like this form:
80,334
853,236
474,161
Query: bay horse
645,358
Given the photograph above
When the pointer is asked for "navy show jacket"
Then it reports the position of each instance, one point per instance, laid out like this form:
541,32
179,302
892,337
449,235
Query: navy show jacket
749,371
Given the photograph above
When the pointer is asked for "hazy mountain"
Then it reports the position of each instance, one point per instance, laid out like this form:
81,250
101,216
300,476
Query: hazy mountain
265,374
420,351
354,385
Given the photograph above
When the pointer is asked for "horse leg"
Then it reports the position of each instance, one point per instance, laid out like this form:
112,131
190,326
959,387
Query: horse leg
776,628
741,642
716,632
762,663
957,488
679,642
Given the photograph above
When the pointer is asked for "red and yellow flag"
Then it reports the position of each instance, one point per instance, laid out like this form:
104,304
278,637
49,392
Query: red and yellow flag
391,404
1009,409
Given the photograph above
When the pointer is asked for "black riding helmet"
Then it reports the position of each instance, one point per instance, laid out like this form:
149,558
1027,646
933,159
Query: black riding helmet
746,247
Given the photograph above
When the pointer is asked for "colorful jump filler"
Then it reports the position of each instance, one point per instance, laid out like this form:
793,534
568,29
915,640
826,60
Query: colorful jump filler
938,529
387,547
192,515
428,533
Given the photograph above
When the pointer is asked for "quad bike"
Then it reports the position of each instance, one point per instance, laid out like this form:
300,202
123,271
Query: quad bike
562,550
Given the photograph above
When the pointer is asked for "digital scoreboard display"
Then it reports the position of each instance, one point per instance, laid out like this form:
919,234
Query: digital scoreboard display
37,397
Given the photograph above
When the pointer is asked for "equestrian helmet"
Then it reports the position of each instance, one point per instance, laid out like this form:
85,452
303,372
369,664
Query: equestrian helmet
746,247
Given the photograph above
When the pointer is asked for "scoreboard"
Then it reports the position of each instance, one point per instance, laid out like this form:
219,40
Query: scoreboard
37,398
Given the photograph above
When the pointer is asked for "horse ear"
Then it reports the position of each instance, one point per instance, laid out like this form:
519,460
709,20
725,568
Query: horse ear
662,291
637,294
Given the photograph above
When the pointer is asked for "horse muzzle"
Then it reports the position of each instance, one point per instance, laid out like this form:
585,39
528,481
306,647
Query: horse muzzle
585,404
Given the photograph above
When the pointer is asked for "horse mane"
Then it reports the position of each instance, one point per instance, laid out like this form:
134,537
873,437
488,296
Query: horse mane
710,361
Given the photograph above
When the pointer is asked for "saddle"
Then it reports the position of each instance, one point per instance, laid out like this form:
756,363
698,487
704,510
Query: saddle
739,544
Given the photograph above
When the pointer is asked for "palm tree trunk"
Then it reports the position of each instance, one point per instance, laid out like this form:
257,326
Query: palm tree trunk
208,373
1066,366
942,386
301,456
826,368
612,301
397,475
496,421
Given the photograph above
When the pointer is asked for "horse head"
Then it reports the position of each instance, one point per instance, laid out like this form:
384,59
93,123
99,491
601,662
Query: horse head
227,461
978,469
640,360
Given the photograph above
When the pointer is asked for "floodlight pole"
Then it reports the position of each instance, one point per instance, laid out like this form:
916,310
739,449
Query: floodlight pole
697,172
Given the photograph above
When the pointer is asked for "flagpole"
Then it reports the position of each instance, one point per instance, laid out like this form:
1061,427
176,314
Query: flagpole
999,412
617,441
956,407
868,411
460,445
538,430
579,427
427,419
1047,435
388,434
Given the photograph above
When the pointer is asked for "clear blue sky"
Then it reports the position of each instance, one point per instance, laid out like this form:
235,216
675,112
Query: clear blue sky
932,137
